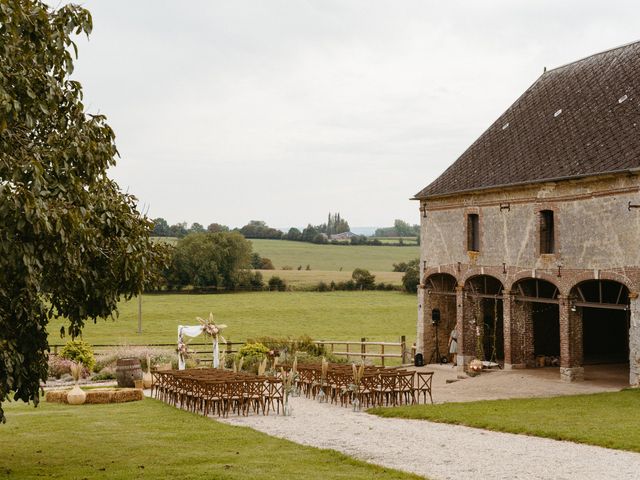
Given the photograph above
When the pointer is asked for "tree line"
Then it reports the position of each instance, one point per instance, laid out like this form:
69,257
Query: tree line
319,234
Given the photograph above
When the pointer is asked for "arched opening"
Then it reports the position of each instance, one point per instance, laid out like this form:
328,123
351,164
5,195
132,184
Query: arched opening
537,306
440,315
484,323
603,306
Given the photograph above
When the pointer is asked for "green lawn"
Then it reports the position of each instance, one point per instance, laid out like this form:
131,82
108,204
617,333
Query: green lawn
151,440
609,420
333,257
327,315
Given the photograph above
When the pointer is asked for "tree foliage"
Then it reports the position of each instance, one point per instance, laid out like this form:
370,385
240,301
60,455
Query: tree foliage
71,243
363,279
211,260
411,278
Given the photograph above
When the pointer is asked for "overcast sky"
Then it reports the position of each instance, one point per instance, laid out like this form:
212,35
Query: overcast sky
285,110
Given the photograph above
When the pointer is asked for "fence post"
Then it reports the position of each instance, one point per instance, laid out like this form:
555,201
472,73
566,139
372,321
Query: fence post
382,353
347,352
403,348
363,347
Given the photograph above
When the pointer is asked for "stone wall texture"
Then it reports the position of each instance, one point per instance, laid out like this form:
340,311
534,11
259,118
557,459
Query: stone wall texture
597,237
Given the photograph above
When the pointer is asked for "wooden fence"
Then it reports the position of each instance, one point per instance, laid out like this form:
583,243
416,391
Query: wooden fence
362,349
353,350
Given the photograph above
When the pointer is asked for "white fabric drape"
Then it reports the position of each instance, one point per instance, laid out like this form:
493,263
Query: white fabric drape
194,331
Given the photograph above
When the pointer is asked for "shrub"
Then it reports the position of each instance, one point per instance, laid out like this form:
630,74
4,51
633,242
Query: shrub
410,280
287,267
348,285
267,264
105,374
363,279
322,287
253,354
277,283
79,351
303,343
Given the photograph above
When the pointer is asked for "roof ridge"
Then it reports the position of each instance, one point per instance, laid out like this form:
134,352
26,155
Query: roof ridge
592,55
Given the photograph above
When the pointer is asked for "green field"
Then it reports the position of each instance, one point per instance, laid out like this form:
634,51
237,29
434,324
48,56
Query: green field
610,420
328,315
333,257
149,439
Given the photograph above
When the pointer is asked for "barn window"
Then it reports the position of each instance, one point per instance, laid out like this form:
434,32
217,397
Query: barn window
547,237
473,232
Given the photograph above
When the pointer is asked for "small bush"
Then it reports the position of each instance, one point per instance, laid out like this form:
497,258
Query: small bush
322,287
266,264
253,354
105,374
79,351
287,267
411,280
277,283
363,279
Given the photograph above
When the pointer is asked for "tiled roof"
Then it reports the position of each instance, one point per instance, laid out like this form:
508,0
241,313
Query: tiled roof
577,120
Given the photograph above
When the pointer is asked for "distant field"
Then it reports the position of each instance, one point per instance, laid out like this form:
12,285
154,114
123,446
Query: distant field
333,257
405,240
311,278
329,315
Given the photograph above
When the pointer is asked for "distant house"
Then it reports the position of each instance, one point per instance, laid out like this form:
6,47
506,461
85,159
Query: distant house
342,237
530,239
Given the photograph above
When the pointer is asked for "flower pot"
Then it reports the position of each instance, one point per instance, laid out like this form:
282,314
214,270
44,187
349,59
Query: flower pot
76,396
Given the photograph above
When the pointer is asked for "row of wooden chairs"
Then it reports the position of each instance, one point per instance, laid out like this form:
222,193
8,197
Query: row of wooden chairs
379,386
213,391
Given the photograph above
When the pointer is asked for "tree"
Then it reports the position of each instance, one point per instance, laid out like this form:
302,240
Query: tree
178,230
71,243
411,278
196,228
216,227
293,234
161,228
210,260
363,279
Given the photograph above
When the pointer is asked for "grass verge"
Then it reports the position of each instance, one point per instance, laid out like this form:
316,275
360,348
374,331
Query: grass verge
149,439
609,420
328,315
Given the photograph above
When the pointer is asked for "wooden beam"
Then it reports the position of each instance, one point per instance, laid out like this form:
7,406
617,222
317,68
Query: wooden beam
518,298
605,306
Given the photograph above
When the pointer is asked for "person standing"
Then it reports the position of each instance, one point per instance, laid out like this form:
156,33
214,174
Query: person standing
453,346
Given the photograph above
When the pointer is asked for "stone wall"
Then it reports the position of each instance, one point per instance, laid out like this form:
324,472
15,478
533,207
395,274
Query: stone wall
596,237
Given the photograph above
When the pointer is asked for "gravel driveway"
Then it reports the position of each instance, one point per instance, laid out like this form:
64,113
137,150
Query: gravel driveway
440,451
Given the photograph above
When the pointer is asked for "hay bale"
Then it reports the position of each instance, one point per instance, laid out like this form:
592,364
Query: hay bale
127,395
56,396
99,396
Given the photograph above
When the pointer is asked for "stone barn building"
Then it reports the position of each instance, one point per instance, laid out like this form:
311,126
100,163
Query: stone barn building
531,239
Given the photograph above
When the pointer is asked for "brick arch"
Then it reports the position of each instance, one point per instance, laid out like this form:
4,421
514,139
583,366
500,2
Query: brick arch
477,272
435,271
427,277
526,274
604,275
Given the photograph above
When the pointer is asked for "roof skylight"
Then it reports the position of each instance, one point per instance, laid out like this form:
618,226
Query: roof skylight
623,98
558,112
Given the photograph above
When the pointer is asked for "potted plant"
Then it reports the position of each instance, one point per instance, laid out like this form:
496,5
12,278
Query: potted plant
76,396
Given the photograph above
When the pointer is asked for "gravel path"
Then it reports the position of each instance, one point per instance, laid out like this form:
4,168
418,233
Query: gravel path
440,451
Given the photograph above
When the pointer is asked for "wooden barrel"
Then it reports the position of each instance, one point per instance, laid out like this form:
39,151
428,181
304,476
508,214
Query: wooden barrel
128,370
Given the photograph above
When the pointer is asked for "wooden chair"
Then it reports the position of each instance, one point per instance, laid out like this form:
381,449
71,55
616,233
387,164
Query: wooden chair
424,385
